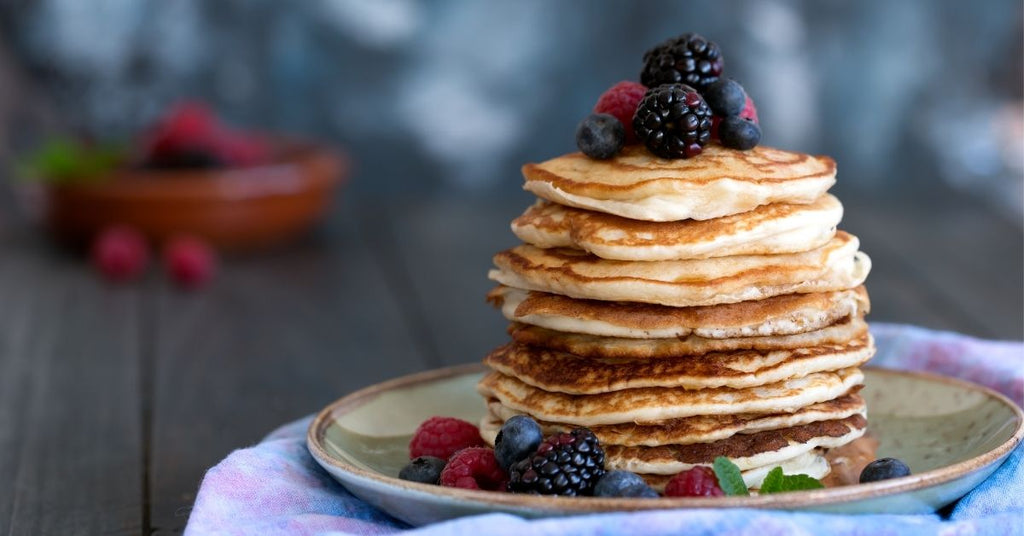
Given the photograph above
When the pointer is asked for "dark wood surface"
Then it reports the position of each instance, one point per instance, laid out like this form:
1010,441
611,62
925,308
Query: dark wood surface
115,399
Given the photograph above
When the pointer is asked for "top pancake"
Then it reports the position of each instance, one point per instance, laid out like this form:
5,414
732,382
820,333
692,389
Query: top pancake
835,266
769,229
640,186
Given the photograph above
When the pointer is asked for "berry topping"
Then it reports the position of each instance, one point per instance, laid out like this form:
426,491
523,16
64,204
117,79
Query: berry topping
749,111
425,469
725,97
183,138
700,481
518,438
190,262
474,468
738,133
120,253
600,136
688,59
621,101
883,469
622,484
569,463
190,136
443,436
673,121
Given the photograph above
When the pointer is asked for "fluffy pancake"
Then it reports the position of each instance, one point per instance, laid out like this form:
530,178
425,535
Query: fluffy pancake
776,316
835,266
622,348
813,464
640,186
653,404
696,429
747,451
561,372
768,229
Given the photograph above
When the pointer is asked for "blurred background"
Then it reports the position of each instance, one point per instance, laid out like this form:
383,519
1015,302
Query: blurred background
449,97
436,105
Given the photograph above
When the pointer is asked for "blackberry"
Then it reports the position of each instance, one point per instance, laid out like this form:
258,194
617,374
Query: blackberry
192,157
883,469
673,121
569,464
518,438
688,59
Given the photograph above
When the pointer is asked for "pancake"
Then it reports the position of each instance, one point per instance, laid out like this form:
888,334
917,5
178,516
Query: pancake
813,464
768,229
697,429
776,316
747,451
561,372
621,348
653,404
640,186
835,266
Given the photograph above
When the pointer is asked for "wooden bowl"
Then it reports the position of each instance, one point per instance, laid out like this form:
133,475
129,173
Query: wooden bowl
233,209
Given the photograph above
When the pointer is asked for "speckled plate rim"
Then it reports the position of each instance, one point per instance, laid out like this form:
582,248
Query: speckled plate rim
798,499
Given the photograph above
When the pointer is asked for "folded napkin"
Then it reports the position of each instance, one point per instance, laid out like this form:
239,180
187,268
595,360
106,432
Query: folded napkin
276,488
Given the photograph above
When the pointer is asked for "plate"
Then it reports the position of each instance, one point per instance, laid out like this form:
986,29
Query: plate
952,433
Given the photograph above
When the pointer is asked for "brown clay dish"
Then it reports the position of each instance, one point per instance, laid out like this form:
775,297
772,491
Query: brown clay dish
233,209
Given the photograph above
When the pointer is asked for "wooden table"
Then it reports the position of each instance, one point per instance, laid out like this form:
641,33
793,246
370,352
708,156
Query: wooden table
115,399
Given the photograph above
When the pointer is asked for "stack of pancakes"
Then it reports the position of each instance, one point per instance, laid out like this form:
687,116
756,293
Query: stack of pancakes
684,310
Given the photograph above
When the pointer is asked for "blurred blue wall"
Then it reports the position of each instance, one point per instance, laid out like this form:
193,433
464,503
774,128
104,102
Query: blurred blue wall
446,96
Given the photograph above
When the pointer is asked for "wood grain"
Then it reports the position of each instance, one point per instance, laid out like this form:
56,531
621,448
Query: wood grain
275,338
70,416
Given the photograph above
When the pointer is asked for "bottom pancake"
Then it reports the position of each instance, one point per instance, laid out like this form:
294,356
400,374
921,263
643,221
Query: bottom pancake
747,451
697,429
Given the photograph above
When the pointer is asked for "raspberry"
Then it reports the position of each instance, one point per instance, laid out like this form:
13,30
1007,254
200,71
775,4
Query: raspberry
621,101
699,481
474,468
443,436
189,261
120,253
749,111
565,464
184,137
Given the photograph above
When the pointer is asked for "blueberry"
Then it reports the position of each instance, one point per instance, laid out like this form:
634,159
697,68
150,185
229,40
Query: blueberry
640,491
725,97
425,469
600,136
616,483
883,469
738,133
518,438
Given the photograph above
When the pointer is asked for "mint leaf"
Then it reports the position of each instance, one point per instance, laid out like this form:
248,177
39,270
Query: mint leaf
63,160
776,482
729,477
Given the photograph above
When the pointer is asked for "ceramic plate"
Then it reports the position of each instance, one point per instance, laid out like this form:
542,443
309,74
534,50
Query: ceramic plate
953,434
